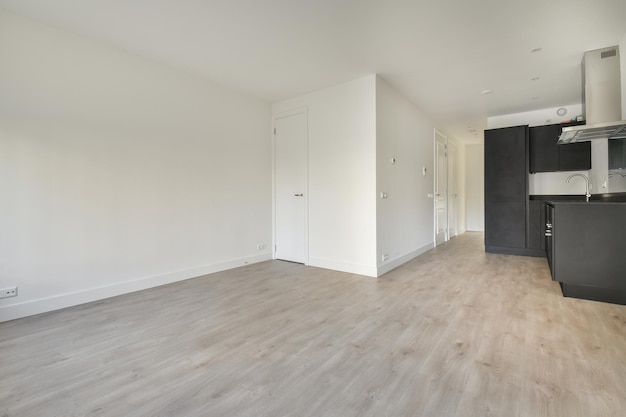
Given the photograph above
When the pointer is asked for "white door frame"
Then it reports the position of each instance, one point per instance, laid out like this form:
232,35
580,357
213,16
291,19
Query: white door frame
275,117
453,202
435,181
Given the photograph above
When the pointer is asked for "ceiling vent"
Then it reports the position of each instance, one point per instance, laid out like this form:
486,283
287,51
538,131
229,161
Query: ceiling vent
608,54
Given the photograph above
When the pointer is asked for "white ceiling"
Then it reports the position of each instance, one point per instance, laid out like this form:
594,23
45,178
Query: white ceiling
439,53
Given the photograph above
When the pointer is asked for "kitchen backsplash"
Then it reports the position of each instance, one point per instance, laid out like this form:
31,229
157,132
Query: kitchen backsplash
617,181
555,183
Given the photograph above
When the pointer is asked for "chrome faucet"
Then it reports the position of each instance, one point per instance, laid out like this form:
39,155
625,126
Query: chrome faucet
586,183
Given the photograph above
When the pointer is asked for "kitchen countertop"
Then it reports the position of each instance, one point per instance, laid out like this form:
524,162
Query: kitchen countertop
582,203
579,198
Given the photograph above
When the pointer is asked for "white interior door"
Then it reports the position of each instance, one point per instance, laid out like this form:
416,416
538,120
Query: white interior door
452,191
441,184
290,138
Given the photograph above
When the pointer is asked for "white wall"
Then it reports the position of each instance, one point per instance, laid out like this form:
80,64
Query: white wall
617,183
622,63
535,118
474,187
555,183
118,174
405,218
599,172
342,174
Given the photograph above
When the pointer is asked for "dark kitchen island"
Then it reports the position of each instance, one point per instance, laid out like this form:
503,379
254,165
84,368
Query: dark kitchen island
587,249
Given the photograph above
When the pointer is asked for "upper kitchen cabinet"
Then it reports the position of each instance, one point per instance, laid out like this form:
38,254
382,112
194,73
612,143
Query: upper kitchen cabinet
547,156
544,151
575,156
506,189
506,164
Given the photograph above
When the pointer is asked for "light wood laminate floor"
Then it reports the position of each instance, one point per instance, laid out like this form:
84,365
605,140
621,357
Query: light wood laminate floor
455,332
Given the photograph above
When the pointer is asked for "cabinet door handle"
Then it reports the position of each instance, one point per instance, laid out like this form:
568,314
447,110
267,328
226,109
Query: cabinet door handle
299,195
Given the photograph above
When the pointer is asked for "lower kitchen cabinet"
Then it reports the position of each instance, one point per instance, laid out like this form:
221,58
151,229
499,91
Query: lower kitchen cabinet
587,249
536,225
505,224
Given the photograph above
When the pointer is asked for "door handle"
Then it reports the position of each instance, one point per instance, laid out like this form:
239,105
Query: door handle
299,195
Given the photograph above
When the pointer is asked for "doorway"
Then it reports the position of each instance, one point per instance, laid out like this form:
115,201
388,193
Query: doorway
290,194
441,188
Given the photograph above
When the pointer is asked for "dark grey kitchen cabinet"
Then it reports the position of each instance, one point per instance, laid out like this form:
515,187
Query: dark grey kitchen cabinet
506,190
544,151
506,163
587,242
505,226
575,156
547,156
548,242
536,225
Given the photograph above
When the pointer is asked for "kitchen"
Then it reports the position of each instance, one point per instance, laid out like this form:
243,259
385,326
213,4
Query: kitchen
529,171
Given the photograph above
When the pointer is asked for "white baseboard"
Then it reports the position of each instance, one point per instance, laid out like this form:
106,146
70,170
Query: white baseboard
56,302
394,263
351,268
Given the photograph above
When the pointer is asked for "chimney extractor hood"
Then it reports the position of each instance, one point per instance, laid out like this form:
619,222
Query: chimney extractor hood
610,130
602,103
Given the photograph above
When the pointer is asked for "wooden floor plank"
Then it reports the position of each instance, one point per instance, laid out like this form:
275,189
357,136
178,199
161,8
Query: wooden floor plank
454,332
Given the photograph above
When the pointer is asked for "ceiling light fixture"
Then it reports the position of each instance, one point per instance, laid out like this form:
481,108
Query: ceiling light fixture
536,50
535,78
486,92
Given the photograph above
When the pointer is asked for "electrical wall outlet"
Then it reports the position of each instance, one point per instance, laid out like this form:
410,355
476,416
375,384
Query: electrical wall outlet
385,257
8,292
261,246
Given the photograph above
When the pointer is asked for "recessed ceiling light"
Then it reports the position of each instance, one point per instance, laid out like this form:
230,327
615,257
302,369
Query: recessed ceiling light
486,92
536,50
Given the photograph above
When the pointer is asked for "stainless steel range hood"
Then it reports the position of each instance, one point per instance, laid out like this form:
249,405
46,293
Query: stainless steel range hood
602,103
610,130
